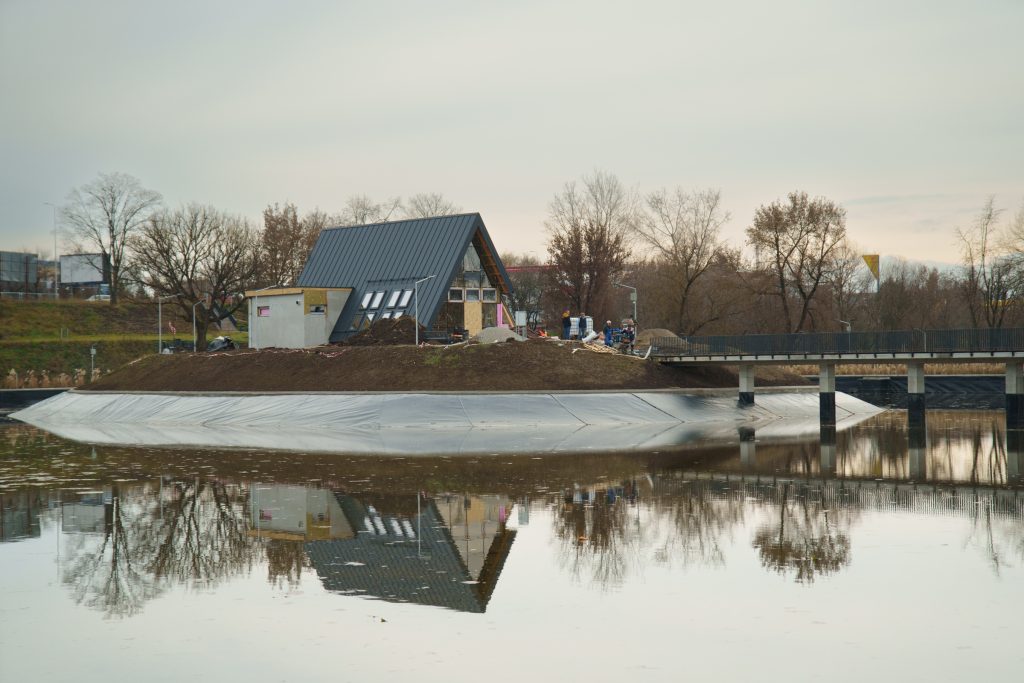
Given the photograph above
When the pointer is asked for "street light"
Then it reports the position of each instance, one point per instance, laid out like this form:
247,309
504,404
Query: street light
631,296
416,297
160,321
56,261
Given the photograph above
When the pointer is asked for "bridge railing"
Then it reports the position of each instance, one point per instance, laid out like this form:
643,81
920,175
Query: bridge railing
804,344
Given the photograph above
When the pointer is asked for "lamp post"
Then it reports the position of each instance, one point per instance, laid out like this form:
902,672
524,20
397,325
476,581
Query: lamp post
160,321
416,296
56,260
632,296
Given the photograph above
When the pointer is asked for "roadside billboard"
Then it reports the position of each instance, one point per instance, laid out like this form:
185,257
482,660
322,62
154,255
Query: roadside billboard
84,269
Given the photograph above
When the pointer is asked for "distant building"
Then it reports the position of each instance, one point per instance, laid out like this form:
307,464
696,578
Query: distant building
19,273
293,317
462,279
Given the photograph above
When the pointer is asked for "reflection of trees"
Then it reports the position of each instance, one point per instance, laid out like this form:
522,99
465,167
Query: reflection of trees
599,535
201,537
195,533
108,577
803,540
698,521
285,562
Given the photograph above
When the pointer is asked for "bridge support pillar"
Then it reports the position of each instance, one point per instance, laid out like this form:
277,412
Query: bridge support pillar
746,385
827,393
1014,395
915,394
917,440
828,449
748,447
1014,456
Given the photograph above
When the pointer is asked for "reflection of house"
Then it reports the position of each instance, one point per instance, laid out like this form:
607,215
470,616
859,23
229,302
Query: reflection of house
382,262
449,554
296,513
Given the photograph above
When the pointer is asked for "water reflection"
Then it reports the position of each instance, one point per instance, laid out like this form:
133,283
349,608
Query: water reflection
134,524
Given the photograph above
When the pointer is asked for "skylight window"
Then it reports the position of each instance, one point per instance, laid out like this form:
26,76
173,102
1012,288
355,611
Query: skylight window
377,298
393,299
367,298
406,295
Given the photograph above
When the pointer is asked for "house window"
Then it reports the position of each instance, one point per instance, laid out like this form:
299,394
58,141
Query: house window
398,314
406,295
367,298
377,298
472,295
385,315
369,317
317,309
455,294
490,295
393,299
263,312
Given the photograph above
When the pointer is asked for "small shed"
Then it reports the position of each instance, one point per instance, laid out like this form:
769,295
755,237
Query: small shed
294,317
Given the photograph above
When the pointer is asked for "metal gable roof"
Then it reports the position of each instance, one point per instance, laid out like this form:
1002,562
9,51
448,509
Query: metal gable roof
387,256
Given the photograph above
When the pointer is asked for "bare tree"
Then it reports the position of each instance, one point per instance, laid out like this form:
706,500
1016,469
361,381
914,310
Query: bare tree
104,214
530,286
989,270
683,230
798,239
427,205
193,252
842,277
286,242
589,232
361,210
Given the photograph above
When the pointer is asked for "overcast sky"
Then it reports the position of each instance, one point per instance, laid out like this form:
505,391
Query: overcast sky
910,114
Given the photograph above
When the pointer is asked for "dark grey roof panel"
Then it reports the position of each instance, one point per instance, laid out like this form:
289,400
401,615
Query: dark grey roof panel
393,255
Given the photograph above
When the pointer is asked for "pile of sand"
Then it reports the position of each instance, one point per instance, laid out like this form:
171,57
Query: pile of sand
491,335
644,337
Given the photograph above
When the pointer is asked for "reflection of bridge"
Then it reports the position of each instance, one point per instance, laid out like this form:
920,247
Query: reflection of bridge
961,500
913,348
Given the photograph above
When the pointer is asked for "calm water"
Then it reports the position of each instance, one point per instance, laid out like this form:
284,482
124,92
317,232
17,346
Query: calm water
879,556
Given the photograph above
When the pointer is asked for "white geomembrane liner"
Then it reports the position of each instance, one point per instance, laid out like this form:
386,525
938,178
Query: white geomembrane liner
426,423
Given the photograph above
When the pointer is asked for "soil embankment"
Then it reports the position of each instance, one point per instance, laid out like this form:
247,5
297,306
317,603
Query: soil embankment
536,365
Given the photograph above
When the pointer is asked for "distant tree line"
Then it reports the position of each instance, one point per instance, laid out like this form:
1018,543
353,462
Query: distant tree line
804,274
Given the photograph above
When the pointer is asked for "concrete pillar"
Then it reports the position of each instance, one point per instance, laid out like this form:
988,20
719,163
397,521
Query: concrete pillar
827,393
828,450
917,440
746,385
1015,395
748,447
915,393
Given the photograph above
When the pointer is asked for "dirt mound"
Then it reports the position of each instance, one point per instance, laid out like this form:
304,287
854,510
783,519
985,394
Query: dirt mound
386,332
535,365
644,337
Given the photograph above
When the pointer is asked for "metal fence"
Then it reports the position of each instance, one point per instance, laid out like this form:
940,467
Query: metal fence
866,343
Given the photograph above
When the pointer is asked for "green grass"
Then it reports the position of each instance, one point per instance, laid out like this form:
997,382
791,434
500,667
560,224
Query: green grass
56,336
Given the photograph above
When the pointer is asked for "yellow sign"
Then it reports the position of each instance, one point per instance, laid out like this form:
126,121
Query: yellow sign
872,261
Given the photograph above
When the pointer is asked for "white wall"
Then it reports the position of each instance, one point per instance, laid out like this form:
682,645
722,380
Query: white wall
284,328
